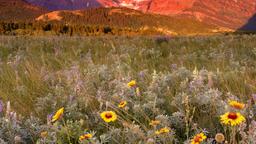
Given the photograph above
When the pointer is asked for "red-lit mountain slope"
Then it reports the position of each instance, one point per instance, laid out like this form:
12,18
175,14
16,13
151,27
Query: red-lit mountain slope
225,13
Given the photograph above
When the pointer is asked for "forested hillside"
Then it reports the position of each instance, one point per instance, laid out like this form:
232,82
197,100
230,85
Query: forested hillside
100,21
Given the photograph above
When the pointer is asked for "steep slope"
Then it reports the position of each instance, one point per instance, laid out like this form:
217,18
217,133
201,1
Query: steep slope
18,10
228,13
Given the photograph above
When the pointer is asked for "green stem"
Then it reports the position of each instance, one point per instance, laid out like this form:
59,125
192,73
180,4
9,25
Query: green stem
66,128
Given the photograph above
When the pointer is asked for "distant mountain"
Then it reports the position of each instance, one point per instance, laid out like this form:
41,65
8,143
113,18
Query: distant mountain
166,7
19,10
225,13
180,15
156,6
66,4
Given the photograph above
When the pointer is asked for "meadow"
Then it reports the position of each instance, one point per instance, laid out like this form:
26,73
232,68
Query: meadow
128,90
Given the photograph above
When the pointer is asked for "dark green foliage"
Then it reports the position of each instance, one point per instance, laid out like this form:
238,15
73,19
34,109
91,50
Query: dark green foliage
101,21
56,28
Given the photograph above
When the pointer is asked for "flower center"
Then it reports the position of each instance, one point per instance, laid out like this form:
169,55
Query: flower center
108,115
238,106
197,138
86,136
232,116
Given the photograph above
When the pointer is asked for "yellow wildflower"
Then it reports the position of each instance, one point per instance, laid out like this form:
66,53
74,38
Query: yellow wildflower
58,114
85,136
198,138
162,131
122,104
232,118
131,83
236,104
108,116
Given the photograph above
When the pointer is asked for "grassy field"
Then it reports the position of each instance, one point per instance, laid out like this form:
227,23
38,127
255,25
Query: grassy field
184,84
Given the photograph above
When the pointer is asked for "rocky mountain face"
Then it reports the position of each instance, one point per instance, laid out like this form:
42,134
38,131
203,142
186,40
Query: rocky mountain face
226,13
155,6
166,7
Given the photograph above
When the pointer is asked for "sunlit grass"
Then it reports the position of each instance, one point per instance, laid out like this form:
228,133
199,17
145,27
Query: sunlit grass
24,58
41,74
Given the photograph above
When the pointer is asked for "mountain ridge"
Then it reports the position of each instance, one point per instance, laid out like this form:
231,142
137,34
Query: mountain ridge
66,4
214,15
225,13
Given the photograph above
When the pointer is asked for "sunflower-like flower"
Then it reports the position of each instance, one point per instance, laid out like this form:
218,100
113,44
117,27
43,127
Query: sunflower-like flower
236,104
162,131
58,115
232,118
154,122
122,104
131,83
85,136
198,138
108,116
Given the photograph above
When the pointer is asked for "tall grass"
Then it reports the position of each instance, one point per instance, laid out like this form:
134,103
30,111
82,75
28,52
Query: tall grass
39,74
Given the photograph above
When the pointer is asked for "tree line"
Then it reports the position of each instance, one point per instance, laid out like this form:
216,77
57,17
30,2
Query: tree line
55,28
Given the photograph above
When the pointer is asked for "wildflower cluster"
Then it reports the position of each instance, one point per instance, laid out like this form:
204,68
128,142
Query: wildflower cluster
127,90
